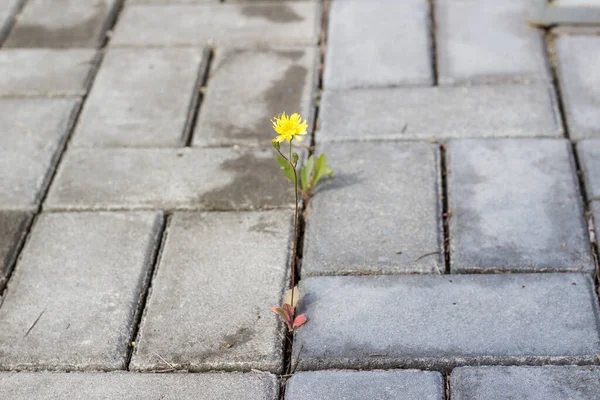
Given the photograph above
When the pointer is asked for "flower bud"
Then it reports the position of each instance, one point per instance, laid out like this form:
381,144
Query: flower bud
275,144
295,157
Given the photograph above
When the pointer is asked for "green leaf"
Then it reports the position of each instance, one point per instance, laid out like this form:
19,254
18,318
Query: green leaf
287,169
306,173
321,169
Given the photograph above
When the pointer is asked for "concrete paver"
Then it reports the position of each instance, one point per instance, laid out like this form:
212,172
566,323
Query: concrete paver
589,156
8,10
13,228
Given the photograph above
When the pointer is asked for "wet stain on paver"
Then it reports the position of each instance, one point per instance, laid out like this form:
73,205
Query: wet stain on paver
285,94
280,13
240,337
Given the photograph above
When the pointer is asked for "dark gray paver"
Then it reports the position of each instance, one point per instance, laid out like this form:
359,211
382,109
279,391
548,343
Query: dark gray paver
248,87
441,112
13,228
589,157
49,72
516,206
577,60
379,214
378,43
531,383
132,386
201,24
196,179
218,277
484,41
62,23
32,133
141,97
435,321
360,385
8,9
71,301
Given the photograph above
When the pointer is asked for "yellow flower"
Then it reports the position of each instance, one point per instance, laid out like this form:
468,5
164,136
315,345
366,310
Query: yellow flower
289,128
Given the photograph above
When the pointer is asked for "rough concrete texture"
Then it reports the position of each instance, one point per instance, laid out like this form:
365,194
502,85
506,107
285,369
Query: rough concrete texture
62,23
577,58
577,3
439,112
33,132
531,383
209,24
379,214
73,296
390,40
218,277
360,385
589,158
433,321
45,72
248,87
13,228
191,179
516,206
8,9
488,41
148,105
131,386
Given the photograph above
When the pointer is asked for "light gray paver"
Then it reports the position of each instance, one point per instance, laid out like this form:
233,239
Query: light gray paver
50,72
13,227
531,383
589,156
202,24
141,97
196,179
62,23
360,385
436,321
218,277
132,386
378,43
32,133
516,206
578,58
248,88
484,41
73,296
8,9
379,214
441,112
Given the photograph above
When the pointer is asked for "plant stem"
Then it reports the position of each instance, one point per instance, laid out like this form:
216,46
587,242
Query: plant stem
295,228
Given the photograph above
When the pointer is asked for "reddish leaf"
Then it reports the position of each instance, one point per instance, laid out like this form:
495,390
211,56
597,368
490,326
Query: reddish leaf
299,321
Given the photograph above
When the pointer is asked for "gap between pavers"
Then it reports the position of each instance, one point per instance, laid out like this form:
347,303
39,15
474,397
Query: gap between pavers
13,229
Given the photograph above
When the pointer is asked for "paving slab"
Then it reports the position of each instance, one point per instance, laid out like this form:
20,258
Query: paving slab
188,179
208,24
248,87
488,41
8,10
147,106
132,386
380,214
436,321
73,296
359,385
516,206
62,23
46,72
589,157
13,228
378,43
439,112
218,277
531,383
33,133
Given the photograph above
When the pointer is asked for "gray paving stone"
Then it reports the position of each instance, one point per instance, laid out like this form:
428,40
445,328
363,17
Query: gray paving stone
50,72
8,9
531,383
440,112
378,43
248,88
13,228
379,214
516,206
595,207
33,132
589,157
577,58
218,277
202,24
148,105
62,23
72,299
359,385
577,3
190,179
484,41
132,386
436,321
